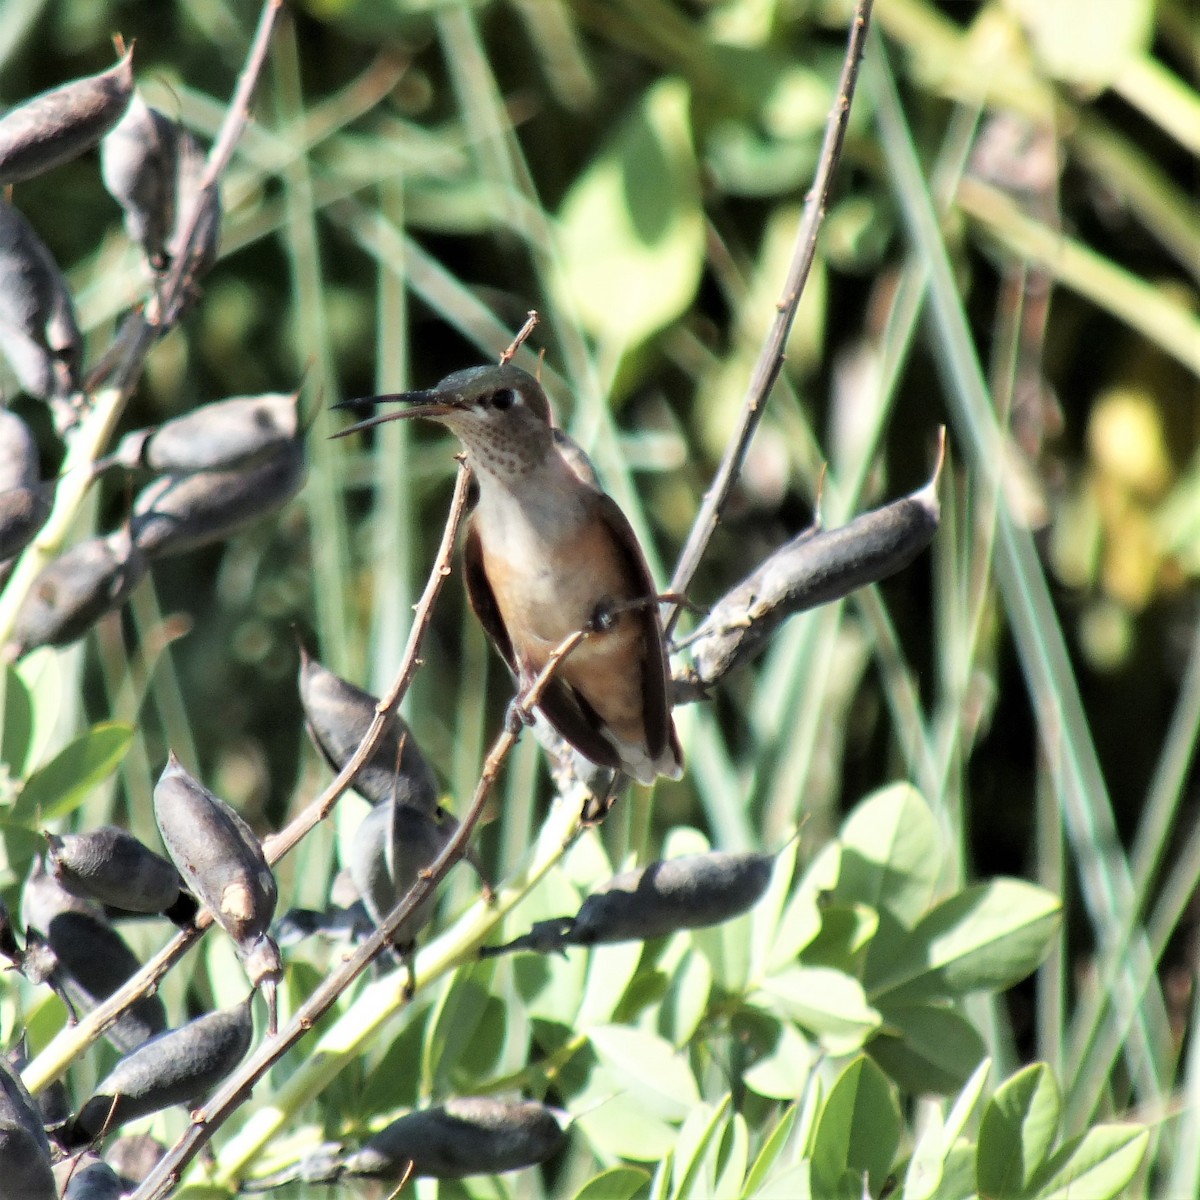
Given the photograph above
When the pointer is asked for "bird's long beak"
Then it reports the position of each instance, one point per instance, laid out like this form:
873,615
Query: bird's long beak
421,404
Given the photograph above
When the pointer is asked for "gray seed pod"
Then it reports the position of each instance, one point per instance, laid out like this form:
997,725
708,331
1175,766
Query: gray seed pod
18,453
110,865
38,330
338,716
223,864
74,591
191,166
475,1135
675,893
180,512
23,512
813,568
89,960
9,947
133,1156
228,435
86,1177
178,1067
138,163
391,847
24,1151
653,901
61,124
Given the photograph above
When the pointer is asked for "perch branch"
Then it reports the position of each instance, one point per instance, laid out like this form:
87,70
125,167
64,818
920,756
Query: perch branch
770,359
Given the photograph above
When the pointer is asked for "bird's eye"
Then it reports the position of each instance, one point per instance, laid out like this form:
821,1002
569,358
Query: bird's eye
504,399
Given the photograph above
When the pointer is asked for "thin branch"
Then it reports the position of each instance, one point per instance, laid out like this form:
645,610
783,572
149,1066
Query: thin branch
770,359
278,844
236,1090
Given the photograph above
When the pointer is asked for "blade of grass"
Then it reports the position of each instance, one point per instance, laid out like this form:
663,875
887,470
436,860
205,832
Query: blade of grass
1062,721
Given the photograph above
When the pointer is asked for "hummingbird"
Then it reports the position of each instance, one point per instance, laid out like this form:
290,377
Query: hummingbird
548,553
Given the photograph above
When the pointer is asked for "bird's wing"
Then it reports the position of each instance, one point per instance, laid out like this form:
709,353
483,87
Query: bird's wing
659,729
482,598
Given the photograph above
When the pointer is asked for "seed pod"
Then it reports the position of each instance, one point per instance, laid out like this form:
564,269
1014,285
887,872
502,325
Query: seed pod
61,124
339,714
180,512
178,1067
23,511
138,163
228,435
191,165
38,331
24,1150
74,591
9,946
133,1156
88,960
86,1177
223,863
655,900
110,865
813,568
18,453
394,843
474,1135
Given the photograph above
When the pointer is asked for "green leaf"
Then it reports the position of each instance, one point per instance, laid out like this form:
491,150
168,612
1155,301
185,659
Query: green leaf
1099,1164
613,1117
782,1071
651,1066
858,1129
926,1047
16,730
1018,1128
686,1000
456,1018
66,781
829,1003
692,1170
891,854
792,1183
618,1183
847,931
732,1155
632,230
1077,48
985,938
938,1140
770,1151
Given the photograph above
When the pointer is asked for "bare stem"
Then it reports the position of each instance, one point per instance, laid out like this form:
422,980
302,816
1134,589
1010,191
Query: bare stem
770,358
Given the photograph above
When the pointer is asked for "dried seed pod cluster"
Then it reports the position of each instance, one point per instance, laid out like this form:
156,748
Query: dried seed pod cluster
653,901
228,464
222,862
474,1135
